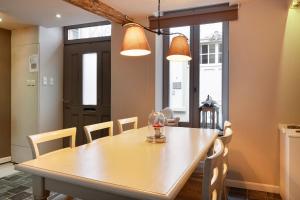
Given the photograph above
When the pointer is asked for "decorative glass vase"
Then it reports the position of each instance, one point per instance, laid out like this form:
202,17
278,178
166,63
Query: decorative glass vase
157,121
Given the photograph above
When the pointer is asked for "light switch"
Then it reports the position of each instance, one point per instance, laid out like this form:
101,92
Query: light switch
28,82
51,81
33,83
45,80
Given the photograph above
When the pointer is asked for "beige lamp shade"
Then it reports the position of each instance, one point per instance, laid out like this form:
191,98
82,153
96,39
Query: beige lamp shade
135,42
179,49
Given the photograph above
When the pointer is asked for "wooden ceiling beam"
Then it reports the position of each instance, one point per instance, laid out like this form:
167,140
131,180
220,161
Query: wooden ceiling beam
99,8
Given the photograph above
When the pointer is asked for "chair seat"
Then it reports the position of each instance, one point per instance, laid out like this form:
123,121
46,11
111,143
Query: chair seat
192,190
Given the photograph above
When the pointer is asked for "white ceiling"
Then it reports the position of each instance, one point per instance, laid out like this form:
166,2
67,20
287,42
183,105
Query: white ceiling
18,13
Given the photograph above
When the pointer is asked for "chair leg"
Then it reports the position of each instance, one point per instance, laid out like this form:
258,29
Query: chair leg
225,194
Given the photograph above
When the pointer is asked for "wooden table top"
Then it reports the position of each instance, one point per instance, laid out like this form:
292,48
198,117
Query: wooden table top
128,165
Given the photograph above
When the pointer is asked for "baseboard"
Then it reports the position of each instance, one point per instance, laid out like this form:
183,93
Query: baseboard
253,186
5,160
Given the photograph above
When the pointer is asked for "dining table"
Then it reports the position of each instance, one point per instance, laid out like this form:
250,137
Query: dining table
122,167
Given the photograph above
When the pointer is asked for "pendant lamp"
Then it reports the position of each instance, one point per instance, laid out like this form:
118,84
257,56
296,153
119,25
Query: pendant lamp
135,42
179,49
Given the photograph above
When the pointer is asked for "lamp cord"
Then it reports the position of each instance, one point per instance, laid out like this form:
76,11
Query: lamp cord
159,32
158,19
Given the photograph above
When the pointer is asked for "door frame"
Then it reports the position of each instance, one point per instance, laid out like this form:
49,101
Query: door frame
86,42
194,116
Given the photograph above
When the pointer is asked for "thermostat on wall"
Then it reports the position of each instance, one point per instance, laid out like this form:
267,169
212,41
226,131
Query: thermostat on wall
33,63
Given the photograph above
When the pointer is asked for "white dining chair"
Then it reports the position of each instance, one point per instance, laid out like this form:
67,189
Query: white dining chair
227,124
95,127
122,122
169,115
226,139
208,187
34,140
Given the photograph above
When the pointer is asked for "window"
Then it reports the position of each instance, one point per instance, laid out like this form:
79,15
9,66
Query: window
89,32
187,85
210,53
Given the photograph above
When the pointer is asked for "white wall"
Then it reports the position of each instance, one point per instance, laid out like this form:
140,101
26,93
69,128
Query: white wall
51,60
51,95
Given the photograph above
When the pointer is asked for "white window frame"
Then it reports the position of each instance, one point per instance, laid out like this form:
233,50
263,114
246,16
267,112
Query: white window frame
217,53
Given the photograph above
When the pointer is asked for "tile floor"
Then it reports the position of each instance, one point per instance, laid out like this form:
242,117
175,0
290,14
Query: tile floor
16,185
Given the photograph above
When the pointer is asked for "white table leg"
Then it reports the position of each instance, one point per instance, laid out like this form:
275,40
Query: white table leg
38,188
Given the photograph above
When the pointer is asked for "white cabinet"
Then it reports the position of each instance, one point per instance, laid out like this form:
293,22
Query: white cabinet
290,162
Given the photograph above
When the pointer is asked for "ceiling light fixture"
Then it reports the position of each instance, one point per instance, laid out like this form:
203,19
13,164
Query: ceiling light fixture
58,15
135,42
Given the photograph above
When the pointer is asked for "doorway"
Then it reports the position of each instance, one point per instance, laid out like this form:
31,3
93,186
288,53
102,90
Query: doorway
186,85
87,77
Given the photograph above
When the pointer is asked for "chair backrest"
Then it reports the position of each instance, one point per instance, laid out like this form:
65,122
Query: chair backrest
227,124
213,167
226,139
131,120
168,113
34,140
95,127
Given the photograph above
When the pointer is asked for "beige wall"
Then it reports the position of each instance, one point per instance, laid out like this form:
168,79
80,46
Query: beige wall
5,92
132,79
289,93
258,40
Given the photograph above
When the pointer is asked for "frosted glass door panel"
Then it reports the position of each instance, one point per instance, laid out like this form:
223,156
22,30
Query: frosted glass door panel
89,79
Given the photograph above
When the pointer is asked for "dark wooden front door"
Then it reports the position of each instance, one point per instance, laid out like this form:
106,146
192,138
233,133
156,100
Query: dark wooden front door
85,103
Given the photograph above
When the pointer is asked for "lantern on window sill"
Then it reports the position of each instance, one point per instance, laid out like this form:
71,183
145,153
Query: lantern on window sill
156,122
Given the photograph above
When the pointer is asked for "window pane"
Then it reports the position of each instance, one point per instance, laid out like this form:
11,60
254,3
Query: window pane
204,49
220,48
204,59
212,48
212,58
220,58
89,32
210,82
89,79
179,82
